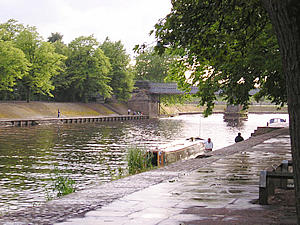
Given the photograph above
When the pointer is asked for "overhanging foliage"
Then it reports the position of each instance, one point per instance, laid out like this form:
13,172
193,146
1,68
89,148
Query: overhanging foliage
226,45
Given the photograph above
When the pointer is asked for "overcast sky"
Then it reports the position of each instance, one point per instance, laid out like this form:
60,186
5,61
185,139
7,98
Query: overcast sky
127,20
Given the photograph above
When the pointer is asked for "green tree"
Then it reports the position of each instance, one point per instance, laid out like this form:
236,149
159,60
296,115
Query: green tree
152,66
231,45
61,81
121,74
55,37
227,50
10,29
87,69
13,65
45,63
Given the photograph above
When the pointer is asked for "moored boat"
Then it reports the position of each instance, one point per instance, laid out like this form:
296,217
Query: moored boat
177,150
277,122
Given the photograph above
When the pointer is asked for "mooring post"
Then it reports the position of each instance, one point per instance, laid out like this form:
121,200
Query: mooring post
284,169
263,190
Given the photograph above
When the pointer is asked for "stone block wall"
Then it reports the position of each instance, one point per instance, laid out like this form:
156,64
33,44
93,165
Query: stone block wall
145,103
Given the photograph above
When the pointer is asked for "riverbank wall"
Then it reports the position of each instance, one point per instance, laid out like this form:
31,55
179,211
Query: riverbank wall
33,110
44,110
180,109
34,113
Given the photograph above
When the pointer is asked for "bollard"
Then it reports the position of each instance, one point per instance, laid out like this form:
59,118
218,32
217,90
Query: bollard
263,191
284,169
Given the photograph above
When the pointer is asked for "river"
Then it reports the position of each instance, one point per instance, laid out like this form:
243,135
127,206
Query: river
94,153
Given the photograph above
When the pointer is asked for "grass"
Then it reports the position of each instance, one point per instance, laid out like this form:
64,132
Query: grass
267,108
70,113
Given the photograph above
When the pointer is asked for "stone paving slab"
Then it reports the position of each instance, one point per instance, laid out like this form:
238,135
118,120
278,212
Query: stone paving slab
221,189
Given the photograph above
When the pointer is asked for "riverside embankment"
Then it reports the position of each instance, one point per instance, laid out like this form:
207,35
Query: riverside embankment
24,110
179,109
221,189
33,113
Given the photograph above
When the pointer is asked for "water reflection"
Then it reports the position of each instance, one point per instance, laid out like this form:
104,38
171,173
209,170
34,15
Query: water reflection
91,153
235,122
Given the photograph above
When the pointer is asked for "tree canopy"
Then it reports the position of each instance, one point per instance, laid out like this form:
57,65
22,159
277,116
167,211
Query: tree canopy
45,63
121,74
152,66
55,37
234,49
83,70
88,69
13,65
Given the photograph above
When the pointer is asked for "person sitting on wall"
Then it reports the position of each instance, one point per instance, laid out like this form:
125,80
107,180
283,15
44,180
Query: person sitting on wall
208,145
238,138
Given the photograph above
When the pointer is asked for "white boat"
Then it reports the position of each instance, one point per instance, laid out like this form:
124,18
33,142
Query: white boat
277,122
177,150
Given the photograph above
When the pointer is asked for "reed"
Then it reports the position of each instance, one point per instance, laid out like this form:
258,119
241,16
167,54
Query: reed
138,160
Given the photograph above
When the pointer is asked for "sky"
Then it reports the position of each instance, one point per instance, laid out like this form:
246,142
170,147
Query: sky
127,20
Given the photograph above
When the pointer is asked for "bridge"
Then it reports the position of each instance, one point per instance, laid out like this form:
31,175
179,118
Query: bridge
162,88
146,96
172,88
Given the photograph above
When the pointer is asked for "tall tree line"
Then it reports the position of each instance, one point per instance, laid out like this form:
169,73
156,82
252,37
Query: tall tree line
34,69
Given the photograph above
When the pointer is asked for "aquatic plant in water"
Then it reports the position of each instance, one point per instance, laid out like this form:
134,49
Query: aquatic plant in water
61,185
138,160
116,174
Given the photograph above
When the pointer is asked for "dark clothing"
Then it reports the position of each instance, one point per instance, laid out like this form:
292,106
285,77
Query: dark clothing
238,138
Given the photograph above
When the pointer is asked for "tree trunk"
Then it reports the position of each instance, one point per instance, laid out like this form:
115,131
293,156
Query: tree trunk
285,17
28,94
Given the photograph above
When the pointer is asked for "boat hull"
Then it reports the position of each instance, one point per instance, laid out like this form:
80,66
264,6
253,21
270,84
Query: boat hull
190,148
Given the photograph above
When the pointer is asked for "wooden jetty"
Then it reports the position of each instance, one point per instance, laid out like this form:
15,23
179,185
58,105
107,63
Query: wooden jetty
90,119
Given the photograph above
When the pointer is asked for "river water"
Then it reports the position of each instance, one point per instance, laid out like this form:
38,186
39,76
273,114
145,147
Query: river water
94,153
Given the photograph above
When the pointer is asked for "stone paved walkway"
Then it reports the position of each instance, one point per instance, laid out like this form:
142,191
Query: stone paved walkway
221,189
